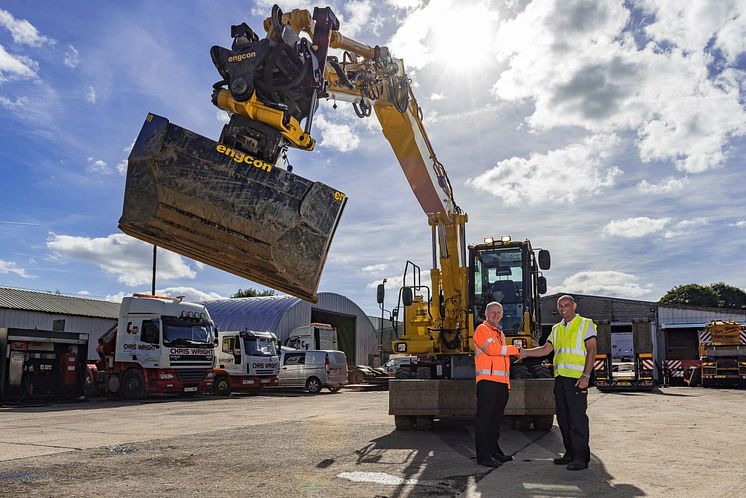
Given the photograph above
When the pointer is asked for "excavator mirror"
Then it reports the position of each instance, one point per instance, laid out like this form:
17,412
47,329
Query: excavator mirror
545,261
223,207
542,284
406,296
380,293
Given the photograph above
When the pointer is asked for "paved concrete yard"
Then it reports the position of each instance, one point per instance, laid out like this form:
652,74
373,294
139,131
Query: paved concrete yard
674,442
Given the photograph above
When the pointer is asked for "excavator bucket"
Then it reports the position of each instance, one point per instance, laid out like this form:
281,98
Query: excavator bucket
225,208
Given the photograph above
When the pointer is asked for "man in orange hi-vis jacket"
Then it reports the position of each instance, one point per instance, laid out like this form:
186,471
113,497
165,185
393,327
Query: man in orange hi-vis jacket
492,362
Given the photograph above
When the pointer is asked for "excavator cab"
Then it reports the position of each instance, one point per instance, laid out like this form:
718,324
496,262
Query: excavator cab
227,203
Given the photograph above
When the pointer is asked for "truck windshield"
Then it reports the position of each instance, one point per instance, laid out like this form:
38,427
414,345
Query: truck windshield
499,277
259,347
194,333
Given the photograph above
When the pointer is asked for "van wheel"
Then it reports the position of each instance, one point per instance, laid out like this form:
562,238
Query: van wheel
133,385
313,385
357,377
222,386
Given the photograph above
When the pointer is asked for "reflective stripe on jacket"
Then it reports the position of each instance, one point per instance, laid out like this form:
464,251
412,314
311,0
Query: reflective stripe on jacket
491,354
568,342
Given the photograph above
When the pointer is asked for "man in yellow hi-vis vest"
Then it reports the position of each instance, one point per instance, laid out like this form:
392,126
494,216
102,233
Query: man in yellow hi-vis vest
573,341
492,363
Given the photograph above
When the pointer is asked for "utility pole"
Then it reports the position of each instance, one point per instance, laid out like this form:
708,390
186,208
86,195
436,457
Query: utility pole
152,288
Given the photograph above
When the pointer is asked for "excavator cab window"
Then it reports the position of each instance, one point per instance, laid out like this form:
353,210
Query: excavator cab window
499,276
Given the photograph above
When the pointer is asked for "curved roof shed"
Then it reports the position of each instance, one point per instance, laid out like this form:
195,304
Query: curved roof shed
281,314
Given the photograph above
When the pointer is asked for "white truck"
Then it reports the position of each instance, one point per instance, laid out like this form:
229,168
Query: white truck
320,336
245,361
159,345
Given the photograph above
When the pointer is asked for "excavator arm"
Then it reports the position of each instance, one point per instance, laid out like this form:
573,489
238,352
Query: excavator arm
267,223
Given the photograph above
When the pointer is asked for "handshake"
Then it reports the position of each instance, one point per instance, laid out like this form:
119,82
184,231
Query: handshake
522,353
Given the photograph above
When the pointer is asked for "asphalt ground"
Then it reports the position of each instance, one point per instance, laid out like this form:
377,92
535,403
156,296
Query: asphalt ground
672,442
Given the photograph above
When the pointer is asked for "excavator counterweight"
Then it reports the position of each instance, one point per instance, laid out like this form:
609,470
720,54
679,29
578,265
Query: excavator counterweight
228,209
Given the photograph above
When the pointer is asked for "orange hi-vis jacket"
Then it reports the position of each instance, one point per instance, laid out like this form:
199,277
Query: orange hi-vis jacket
491,355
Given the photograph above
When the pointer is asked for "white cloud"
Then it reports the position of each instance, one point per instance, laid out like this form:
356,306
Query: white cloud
90,95
576,63
16,66
97,166
404,4
359,16
436,96
562,175
739,224
374,268
190,294
84,293
122,167
631,228
222,116
604,283
10,267
72,58
336,136
665,186
686,227
128,258
23,32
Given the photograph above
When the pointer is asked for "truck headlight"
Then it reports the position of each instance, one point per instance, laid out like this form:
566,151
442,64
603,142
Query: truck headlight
210,375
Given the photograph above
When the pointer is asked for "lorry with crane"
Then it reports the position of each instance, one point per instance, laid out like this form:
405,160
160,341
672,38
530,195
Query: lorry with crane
228,204
159,345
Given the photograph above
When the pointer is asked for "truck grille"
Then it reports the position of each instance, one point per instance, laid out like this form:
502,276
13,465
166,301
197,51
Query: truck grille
191,374
265,371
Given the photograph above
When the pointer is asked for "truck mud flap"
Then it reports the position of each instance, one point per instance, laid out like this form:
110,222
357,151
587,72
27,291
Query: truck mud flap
201,199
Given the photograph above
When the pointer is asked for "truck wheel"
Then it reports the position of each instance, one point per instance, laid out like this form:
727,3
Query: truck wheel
334,389
357,377
313,385
520,372
403,373
543,422
222,386
133,385
403,422
424,423
424,373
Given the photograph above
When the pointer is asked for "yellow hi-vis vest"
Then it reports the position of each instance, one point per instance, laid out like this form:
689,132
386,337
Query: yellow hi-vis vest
569,347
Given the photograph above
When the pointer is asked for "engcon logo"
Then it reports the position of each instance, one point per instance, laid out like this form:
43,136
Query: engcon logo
242,57
241,157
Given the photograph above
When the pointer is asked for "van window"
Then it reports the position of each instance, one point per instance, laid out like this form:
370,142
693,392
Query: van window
295,359
337,358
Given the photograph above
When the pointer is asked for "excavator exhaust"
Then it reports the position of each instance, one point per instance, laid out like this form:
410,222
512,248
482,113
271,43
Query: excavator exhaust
227,208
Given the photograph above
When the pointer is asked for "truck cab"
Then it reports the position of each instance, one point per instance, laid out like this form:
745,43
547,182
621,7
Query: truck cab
159,345
313,336
245,361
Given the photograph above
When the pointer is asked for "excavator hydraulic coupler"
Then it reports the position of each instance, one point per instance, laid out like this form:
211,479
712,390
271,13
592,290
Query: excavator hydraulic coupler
207,201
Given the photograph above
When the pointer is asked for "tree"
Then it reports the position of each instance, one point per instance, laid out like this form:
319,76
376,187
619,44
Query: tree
692,294
729,296
252,292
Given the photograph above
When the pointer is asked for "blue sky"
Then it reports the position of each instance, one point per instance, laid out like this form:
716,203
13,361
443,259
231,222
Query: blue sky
609,132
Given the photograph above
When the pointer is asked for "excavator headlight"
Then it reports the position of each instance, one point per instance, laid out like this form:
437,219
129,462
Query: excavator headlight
505,239
489,240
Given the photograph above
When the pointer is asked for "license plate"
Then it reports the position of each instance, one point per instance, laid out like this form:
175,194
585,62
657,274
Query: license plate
190,389
265,381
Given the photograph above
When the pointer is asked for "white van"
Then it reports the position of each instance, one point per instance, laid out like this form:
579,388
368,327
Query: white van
313,369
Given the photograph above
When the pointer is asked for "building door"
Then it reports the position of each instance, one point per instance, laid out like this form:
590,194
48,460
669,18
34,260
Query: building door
346,331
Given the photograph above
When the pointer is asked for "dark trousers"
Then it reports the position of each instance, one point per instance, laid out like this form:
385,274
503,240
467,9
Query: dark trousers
491,400
571,404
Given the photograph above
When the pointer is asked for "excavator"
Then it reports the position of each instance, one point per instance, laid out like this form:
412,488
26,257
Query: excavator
232,205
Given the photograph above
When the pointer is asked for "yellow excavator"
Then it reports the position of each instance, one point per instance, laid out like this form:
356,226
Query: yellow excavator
230,205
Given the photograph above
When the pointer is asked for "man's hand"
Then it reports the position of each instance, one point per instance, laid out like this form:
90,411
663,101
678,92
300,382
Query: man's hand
582,382
521,353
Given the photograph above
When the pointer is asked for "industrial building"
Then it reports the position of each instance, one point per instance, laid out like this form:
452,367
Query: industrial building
34,310
281,314
673,328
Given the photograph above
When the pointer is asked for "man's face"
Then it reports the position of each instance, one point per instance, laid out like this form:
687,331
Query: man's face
566,308
494,314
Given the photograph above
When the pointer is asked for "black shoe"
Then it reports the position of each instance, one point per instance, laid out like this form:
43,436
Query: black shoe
490,462
577,465
563,460
502,457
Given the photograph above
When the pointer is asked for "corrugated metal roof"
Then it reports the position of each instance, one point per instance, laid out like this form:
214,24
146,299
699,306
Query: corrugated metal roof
252,313
45,302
